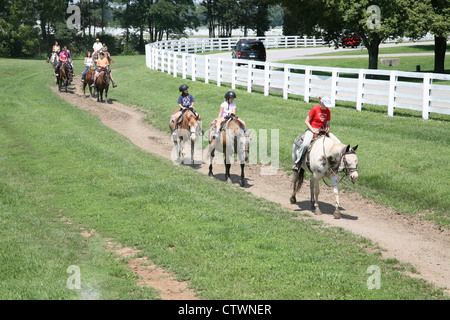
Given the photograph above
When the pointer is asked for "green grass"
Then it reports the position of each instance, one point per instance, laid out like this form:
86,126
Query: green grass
406,63
388,50
58,160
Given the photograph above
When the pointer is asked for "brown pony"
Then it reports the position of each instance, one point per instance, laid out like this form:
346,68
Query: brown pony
102,84
189,129
88,80
63,76
234,139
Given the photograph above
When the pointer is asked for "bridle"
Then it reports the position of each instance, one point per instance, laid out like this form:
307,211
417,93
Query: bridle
347,170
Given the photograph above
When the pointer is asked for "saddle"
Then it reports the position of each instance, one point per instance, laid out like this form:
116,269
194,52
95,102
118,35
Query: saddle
228,118
299,140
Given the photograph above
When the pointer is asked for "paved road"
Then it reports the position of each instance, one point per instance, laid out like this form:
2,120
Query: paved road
275,55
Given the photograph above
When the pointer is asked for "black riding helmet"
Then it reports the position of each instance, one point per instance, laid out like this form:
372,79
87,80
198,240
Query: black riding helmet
183,87
230,94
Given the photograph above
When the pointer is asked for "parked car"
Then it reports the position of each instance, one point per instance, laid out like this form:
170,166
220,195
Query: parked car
351,40
249,50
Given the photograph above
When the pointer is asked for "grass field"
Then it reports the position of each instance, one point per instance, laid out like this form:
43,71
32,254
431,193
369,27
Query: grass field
407,63
413,48
56,160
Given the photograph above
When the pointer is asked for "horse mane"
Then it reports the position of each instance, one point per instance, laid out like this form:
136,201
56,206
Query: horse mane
235,124
190,116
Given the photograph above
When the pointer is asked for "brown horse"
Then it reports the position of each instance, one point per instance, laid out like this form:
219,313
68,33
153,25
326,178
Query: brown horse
63,76
189,129
88,80
234,139
102,84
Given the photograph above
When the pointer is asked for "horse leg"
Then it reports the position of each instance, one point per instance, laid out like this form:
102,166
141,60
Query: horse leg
211,152
181,150
315,194
242,182
334,181
227,172
192,151
293,198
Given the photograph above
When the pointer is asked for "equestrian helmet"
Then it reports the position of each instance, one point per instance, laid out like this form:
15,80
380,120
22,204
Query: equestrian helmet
183,87
230,94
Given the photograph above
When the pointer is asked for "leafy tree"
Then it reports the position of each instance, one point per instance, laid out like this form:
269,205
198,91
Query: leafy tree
440,27
173,17
329,18
19,36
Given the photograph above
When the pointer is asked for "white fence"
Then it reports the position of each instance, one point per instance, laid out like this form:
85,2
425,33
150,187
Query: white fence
194,45
394,89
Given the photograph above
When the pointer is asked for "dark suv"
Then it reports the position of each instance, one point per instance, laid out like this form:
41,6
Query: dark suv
249,50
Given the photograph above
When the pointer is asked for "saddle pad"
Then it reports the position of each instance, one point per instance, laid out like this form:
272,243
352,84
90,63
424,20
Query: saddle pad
299,140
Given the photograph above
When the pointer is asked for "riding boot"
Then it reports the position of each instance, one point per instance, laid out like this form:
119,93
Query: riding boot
298,163
114,84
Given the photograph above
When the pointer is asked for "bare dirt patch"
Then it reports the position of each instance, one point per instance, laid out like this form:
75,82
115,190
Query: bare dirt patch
149,274
406,238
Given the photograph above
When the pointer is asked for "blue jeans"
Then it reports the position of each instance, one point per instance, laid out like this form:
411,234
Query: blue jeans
86,68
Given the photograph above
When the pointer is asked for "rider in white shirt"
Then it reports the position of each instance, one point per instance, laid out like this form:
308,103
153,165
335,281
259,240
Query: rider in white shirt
97,46
88,63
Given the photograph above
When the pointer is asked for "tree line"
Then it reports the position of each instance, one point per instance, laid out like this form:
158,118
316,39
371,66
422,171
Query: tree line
29,27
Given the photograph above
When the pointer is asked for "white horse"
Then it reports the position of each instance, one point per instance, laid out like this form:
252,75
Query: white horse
54,60
326,158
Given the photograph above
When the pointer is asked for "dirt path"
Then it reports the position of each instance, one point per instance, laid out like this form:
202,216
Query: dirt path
408,239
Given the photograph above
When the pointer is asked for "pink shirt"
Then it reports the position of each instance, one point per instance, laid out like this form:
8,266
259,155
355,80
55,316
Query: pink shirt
63,56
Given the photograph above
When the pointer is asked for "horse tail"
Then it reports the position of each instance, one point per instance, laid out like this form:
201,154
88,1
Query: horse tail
298,180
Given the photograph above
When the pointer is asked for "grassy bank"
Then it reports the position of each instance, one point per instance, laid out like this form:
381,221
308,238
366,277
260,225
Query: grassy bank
56,160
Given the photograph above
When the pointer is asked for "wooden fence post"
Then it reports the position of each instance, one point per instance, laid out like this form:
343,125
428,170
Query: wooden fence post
426,96
361,78
285,81
392,90
267,69
307,84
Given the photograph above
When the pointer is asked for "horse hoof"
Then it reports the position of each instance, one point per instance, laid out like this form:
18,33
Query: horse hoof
242,183
317,212
293,200
229,181
210,174
337,214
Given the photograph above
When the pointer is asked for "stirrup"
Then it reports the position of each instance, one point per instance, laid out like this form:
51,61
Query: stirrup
295,168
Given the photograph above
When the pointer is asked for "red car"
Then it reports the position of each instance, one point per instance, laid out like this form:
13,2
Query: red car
351,40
